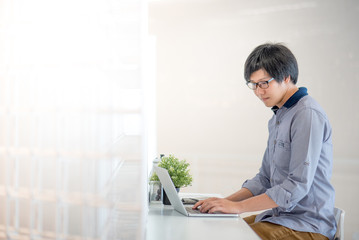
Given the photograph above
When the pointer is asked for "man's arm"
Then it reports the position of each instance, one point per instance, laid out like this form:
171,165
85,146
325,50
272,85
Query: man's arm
257,203
309,129
240,195
239,202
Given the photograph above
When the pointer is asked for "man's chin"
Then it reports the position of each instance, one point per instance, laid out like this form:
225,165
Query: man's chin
268,105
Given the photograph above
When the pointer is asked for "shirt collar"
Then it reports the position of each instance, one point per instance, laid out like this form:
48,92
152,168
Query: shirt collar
302,91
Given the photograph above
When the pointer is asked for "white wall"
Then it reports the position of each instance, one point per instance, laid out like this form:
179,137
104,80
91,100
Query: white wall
207,114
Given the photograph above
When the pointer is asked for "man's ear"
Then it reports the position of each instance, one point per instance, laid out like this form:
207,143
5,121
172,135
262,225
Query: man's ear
287,79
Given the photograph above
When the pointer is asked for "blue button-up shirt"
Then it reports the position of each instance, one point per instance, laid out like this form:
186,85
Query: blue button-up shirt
297,167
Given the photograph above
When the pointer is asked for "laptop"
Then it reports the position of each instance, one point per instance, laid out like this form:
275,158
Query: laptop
176,201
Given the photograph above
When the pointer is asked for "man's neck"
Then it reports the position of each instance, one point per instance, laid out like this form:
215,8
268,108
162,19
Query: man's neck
290,91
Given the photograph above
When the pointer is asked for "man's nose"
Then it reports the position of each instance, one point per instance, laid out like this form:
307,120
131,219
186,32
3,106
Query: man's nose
259,90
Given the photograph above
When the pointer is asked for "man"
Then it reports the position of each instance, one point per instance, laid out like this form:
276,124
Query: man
294,179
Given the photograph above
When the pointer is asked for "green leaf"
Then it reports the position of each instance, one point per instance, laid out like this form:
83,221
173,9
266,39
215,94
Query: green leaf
177,169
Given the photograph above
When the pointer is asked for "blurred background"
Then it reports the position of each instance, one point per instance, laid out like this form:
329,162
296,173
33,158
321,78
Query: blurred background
76,116
208,116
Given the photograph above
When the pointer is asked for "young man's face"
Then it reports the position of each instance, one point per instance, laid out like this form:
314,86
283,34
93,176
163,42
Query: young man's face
276,94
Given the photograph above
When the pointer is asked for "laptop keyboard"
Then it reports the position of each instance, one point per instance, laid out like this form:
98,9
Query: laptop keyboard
193,211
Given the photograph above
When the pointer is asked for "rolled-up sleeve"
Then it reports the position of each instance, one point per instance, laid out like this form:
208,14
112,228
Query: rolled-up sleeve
281,197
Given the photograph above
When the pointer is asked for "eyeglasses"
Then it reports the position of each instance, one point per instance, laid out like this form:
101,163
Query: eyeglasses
262,84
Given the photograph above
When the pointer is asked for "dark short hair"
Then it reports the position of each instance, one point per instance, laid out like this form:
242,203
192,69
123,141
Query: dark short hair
275,58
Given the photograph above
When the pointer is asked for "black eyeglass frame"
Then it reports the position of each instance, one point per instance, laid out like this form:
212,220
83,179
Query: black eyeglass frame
261,84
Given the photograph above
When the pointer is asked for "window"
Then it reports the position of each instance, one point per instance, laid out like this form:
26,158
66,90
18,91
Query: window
73,119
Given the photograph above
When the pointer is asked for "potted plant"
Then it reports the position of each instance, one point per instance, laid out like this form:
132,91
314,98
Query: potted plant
178,171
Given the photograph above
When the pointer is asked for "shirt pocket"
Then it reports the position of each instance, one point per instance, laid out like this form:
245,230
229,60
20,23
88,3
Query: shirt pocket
282,155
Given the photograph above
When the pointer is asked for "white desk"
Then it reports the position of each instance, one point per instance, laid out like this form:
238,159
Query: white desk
165,223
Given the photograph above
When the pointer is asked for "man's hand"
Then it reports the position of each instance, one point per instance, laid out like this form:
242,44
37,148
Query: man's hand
213,205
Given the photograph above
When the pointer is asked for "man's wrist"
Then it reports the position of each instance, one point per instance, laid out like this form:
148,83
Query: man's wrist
240,207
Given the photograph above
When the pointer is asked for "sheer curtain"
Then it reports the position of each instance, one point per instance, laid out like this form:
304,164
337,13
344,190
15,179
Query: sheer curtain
74,112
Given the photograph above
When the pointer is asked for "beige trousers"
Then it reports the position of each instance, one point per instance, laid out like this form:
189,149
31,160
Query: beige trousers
271,231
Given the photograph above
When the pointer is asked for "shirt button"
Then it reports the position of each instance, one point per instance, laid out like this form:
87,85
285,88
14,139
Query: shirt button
275,142
278,122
